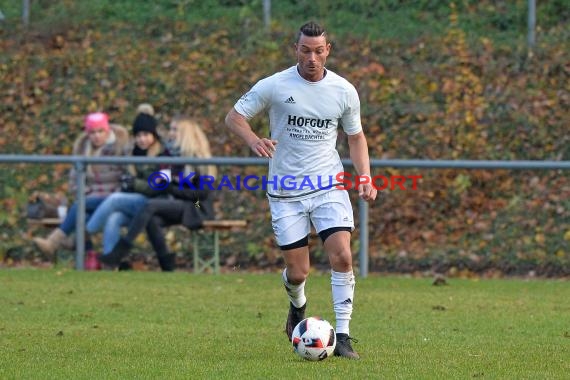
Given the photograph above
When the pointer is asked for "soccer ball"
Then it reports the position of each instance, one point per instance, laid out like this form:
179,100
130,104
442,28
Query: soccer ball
314,339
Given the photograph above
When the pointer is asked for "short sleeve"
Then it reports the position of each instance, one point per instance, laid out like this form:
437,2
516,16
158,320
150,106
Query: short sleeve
255,100
350,120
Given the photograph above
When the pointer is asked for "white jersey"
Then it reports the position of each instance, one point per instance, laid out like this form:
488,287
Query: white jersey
304,118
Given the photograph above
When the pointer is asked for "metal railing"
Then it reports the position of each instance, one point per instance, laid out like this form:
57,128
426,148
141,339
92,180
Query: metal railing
80,162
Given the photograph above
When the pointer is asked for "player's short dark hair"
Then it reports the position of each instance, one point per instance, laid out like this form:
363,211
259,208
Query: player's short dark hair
311,29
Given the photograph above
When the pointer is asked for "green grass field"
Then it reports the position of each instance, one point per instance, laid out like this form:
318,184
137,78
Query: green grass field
147,325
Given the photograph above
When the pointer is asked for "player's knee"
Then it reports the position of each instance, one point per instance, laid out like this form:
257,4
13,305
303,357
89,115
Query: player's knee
296,276
341,260
296,272
297,259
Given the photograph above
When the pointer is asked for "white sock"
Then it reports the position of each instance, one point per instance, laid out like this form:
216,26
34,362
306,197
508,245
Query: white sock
296,293
343,297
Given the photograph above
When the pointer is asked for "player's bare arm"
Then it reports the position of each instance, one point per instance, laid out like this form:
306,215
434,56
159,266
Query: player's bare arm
359,155
239,125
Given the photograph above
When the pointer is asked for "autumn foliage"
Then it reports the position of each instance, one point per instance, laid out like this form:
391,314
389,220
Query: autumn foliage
437,98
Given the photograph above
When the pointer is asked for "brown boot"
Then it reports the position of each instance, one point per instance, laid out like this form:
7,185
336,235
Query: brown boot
68,243
52,243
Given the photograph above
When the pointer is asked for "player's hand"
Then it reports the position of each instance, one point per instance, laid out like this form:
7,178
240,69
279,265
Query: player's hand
264,147
367,192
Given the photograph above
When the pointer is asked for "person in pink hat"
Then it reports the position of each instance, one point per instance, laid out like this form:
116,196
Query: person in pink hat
100,138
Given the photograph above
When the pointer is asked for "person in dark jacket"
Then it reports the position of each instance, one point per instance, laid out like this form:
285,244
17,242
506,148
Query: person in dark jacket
188,204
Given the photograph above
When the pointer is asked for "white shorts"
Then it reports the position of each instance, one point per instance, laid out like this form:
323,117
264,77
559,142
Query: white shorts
291,220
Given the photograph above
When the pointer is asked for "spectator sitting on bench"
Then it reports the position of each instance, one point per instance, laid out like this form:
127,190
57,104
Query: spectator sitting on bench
119,208
99,139
187,205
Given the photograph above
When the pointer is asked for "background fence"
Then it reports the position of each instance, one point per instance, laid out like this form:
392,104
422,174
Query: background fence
80,163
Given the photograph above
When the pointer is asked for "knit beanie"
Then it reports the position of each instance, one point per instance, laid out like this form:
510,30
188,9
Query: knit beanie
97,120
145,123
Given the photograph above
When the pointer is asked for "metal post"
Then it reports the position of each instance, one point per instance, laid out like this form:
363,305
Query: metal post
267,13
363,222
80,222
26,12
531,23
216,252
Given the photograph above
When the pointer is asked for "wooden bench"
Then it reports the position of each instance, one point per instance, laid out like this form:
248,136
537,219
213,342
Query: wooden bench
46,222
207,256
205,241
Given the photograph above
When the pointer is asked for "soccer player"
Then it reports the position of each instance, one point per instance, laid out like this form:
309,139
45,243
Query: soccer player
307,103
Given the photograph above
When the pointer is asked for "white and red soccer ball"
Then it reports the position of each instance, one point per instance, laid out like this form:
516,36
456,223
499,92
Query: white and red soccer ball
314,339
